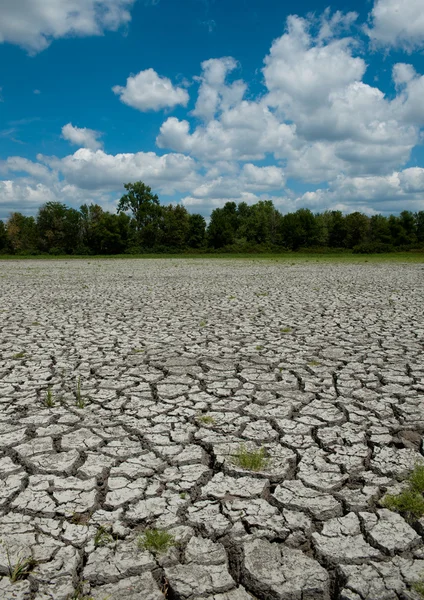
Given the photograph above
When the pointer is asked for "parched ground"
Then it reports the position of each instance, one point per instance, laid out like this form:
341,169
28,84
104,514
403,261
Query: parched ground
160,372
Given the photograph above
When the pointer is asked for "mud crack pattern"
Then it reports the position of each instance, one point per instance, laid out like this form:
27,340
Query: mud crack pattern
127,388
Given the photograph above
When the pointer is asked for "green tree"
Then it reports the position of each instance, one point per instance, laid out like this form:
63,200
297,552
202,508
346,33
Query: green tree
3,236
356,229
22,233
223,226
175,226
143,205
419,225
196,231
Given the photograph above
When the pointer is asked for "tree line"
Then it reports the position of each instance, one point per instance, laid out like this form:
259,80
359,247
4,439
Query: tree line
143,225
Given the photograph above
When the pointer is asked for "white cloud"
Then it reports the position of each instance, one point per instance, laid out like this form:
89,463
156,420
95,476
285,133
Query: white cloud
81,136
246,132
400,190
148,91
301,73
214,93
409,103
33,24
397,23
96,170
16,164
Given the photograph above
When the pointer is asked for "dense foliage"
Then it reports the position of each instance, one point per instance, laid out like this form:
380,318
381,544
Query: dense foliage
142,224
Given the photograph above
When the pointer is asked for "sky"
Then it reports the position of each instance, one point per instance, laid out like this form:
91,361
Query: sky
310,104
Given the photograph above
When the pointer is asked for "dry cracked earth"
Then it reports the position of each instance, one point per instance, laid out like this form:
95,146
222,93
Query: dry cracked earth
158,373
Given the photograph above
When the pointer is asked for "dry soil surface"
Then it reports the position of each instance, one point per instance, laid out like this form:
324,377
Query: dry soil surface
157,373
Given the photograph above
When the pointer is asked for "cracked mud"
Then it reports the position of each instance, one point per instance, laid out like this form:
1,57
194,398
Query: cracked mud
127,388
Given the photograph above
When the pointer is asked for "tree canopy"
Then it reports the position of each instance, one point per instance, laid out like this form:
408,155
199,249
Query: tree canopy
142,224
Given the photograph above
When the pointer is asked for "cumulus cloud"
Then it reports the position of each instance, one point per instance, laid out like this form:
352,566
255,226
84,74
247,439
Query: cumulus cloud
88,169
400,190
81,136
148,91
33,24
397,23
246,132
315,119
214,93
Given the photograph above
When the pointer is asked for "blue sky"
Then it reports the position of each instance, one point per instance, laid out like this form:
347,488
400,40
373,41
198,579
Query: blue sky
213,100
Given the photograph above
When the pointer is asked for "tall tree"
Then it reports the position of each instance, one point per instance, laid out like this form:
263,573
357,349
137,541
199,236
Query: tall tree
22,233
143,205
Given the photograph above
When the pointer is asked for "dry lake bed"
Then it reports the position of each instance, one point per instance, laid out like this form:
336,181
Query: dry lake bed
209,429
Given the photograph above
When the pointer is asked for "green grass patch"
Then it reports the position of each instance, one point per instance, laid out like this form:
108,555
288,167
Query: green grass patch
156,541
19,355
49,400
102,537
410,502
206,419
290,258
251,460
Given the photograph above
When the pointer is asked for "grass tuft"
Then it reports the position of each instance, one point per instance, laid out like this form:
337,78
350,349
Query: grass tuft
18,355
80,401
251,460
21,569
419,588
49,399
206,419
416,479
410,502
156,541
102,537
286,330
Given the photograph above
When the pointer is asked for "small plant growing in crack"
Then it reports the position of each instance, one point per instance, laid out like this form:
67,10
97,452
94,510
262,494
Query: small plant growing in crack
314,363
19,355
418,586
183,495
250,460
102,537
206,419
259,348
80,518
202,323
156,541
410,502
21,569
80,401
49,400
286,330
137,350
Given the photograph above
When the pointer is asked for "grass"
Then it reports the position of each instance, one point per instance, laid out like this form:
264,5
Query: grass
102,537
410,502
314,363
80,518
206,419
281,257
259,347
21,569
419,587
18,355
156,541
285,330
137,350
250,460
202,324
80,401
49,398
